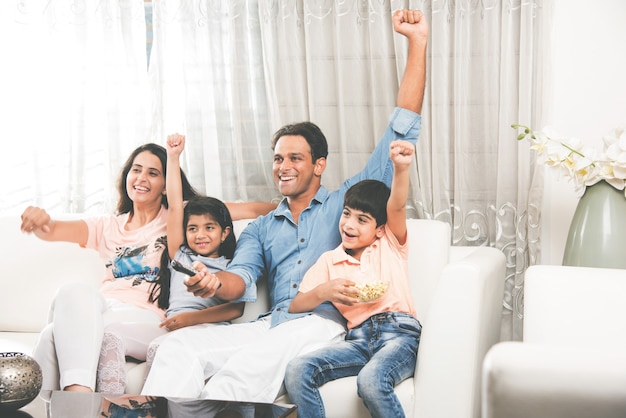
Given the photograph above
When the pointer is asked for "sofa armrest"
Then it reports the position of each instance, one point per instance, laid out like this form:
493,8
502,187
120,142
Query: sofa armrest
463,323
522,380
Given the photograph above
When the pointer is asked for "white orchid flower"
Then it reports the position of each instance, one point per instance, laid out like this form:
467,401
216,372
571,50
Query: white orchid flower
582,164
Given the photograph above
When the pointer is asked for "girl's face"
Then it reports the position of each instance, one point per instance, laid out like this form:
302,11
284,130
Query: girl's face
358,231
145,182
205,235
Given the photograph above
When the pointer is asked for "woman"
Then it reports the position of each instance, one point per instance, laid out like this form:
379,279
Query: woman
130,242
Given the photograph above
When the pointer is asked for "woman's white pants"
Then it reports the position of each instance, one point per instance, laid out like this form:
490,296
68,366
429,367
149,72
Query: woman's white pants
68,348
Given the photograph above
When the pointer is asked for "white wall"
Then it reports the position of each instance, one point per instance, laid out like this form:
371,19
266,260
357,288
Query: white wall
588,97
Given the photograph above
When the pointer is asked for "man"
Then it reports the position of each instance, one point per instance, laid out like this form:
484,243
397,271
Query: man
246,362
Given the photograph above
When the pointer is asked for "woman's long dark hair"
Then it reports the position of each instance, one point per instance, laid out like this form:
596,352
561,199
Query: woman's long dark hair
125,204
199,205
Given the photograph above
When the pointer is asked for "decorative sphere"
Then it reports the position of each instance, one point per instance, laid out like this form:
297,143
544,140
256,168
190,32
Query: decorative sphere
20,380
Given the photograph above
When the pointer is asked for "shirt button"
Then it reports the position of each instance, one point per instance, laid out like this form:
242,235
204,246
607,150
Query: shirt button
278,309
294,285
301,239
299,261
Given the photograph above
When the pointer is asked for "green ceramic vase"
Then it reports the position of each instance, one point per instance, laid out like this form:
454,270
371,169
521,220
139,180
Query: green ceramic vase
597,234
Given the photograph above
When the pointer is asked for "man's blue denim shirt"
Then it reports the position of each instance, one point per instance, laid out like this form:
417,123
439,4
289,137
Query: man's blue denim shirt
275,246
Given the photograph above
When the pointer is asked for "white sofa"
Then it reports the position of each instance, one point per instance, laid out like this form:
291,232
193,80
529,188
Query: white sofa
572,360
458,292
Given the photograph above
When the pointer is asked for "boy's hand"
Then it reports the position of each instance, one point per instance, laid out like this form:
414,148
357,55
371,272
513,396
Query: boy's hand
339,291
175,145
401,153
410,23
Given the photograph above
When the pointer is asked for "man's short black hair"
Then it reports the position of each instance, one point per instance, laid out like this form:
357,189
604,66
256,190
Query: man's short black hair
310,132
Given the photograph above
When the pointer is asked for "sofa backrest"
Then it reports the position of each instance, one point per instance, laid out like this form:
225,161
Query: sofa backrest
581,306
31,272
252,310
429,252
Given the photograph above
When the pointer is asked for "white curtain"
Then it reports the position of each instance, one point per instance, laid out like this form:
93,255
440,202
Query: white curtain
74,100
229,73
206,74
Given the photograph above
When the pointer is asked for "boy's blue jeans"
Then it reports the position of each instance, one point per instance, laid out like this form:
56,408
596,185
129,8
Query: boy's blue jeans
381,352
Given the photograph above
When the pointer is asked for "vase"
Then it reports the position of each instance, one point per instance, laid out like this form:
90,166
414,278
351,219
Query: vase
20,380
597,234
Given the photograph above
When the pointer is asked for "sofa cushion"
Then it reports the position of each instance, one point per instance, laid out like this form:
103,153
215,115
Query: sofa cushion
31,272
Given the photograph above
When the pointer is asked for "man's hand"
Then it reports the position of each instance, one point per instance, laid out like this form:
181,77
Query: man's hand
410,23
203,284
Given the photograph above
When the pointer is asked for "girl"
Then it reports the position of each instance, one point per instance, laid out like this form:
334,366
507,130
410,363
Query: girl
200,231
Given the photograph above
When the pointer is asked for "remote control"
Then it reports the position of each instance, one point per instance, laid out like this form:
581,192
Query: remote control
178,266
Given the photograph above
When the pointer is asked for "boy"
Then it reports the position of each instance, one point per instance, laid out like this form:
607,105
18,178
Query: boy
380,347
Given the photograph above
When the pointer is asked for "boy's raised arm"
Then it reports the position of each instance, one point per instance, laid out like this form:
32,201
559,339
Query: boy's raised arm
401,153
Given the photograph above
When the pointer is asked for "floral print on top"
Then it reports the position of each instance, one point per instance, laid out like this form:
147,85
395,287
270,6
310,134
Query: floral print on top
135,262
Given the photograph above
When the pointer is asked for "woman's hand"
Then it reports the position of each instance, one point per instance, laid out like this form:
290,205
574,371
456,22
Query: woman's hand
36,219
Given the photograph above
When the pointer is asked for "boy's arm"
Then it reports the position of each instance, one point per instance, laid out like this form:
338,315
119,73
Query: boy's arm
413,25
335,291
401,153
174,190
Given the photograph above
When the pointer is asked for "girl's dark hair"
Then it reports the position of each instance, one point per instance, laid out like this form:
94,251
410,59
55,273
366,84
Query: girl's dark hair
125,204
198,205
205,205
369,196
309,131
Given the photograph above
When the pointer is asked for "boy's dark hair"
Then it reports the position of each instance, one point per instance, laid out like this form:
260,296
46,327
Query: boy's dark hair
369,196
310,132
198,205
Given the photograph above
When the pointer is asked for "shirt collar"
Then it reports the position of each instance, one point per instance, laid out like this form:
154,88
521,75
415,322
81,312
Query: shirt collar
282,210
339,255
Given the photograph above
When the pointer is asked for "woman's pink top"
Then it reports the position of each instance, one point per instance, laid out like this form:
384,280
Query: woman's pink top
132,258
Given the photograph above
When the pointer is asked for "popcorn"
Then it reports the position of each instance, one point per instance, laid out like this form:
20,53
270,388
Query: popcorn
371,291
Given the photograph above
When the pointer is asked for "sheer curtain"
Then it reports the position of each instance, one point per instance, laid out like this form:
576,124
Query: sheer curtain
339,64
229,73
206,74
74,100
488,67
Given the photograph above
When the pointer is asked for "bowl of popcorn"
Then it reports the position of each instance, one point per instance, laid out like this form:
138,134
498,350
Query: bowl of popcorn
369,285
372,290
